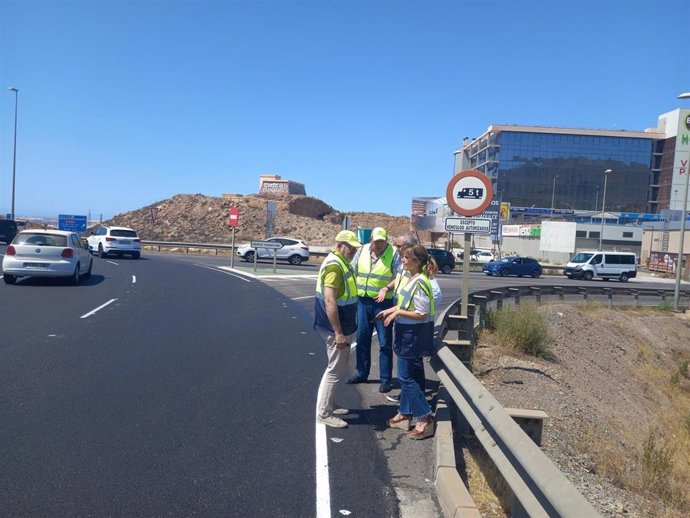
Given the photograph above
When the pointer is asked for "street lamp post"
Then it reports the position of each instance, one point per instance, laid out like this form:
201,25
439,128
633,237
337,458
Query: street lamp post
603,206
684,212
14,159
553,194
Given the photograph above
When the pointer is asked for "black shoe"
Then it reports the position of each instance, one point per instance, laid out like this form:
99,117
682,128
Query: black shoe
356,379
385,387
393,398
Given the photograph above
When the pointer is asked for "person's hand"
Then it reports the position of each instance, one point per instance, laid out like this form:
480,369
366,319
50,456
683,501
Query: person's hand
390,317
341,341
382,294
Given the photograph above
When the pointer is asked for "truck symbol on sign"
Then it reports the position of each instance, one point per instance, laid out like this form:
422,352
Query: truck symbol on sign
471,192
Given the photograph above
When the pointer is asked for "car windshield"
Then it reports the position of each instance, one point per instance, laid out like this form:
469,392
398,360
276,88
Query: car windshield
41,239
506,259
123,233
581,258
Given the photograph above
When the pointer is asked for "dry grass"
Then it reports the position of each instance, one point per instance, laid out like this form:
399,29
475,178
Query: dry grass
522,328
652,458
486,485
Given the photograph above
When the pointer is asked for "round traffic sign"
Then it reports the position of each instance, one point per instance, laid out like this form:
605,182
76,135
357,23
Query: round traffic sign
469,192
233,216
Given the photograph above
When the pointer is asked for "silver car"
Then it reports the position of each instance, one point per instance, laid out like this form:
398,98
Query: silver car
295,251
46,253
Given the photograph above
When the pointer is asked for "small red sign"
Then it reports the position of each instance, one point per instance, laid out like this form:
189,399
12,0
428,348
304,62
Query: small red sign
233,216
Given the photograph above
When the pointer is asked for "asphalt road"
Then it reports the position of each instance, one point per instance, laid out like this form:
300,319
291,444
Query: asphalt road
190,392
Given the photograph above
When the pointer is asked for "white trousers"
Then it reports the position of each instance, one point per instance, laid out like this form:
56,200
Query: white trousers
336,371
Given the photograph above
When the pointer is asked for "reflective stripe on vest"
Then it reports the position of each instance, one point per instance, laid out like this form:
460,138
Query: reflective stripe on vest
349,295
406,295
374,275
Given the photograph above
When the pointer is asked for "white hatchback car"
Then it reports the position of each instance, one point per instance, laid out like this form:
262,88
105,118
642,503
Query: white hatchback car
115,240
46,253
295,251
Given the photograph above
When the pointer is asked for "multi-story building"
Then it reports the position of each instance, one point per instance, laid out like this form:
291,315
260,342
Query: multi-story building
533,166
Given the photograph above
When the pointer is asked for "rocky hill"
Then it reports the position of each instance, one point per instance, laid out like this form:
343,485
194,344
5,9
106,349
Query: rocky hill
203,219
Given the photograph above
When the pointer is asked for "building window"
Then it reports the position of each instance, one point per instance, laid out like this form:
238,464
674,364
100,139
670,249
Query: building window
594,234
580,233
627,234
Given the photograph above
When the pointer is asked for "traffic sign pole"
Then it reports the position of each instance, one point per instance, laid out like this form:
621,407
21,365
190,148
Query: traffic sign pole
232,250
466,275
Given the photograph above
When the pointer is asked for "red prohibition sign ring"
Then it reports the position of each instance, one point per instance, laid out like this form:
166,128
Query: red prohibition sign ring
470,173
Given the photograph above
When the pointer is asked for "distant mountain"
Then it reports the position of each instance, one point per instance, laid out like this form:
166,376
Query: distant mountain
204,219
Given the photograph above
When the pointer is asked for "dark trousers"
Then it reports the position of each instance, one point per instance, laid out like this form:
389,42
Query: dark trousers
366,323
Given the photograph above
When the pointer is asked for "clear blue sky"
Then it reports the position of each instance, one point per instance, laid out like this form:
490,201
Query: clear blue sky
124,103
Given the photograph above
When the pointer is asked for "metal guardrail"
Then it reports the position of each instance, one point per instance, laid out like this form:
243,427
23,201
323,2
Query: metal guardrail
316,251
539,487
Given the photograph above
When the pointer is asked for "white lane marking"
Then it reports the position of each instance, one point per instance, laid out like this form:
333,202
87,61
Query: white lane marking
98,308
221,269
134,279
305,297
323,489
112,262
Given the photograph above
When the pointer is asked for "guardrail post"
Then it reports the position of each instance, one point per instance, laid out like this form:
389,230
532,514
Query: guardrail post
498,297
482,301
609,295
584,293
636,294
537,293
515,293
559,291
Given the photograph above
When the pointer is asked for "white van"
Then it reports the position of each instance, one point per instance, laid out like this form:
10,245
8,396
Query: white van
605,265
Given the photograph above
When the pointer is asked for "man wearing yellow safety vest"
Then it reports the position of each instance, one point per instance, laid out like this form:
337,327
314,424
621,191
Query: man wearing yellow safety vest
335,317
373,266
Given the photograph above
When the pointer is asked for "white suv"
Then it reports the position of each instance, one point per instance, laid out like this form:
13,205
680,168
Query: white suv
115,240
293,250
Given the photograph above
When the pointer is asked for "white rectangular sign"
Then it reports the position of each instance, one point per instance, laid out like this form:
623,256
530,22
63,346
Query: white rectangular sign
270,245
468,225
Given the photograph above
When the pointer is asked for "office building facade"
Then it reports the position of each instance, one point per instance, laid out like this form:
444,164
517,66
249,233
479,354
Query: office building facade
564,167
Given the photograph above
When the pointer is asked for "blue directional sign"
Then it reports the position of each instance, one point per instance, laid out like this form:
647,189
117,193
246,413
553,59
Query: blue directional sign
72,223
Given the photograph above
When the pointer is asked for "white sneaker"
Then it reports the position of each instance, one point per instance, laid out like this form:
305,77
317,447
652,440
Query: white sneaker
331,420
340,411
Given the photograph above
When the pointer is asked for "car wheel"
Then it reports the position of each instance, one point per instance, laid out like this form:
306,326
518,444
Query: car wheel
505,272
9,279
536,274
75,276
101,253
136,255
623,277
569,276
295,260
249,257
446,269
87,275
588,276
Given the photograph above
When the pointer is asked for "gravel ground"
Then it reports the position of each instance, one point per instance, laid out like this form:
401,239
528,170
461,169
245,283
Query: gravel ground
603,391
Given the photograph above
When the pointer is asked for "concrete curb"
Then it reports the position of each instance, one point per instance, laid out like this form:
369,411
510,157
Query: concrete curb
451,492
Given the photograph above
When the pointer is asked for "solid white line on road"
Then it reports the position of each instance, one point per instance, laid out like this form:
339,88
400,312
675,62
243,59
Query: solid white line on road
134,279
113,262
98,308
305,297
222,271
323,488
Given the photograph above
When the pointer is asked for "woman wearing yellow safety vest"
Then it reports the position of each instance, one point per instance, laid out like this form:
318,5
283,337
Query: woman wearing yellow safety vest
413,340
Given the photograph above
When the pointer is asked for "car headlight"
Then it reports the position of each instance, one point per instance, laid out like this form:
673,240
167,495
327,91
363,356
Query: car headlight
578,267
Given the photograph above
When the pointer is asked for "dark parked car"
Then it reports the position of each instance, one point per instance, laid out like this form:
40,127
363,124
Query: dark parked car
444,259
8,229
513,266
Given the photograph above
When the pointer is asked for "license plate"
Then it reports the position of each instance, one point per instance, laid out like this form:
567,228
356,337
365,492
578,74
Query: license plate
125,241
35,265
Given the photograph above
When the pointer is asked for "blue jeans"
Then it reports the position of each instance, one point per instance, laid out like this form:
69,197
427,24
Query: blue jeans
367,309
412,400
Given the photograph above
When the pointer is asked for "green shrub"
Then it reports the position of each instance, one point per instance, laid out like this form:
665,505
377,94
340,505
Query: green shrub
523,328
664,305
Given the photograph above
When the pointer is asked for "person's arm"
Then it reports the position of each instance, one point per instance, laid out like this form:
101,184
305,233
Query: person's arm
333,318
